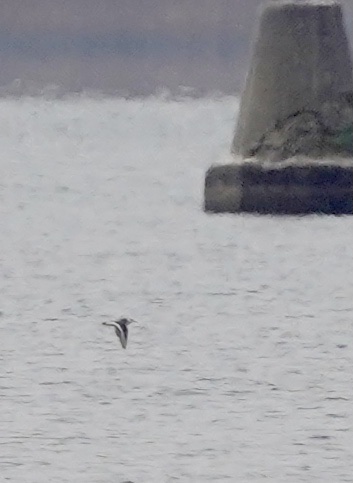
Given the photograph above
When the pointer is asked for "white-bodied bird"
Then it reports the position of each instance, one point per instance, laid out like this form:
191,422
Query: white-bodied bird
121,330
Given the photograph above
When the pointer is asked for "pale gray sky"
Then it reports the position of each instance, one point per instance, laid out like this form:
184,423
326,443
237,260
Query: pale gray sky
131,46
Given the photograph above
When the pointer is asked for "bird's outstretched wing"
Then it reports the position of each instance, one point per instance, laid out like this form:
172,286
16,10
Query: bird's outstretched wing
122,333
120,330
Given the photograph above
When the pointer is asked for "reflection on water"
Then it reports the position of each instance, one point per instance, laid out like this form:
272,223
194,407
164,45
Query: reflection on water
240,365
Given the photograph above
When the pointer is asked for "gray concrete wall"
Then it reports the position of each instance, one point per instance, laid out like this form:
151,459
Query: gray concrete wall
301,59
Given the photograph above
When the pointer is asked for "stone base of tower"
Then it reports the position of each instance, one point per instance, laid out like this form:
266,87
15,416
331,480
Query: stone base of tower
294,186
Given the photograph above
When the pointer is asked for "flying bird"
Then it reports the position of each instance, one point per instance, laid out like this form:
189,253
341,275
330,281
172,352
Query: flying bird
121,330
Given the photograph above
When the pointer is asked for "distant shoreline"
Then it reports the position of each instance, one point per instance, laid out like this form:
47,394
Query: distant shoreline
127,48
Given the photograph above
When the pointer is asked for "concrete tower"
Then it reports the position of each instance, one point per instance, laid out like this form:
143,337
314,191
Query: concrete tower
293,143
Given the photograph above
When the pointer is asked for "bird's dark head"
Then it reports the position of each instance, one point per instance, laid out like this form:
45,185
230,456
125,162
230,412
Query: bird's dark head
125,321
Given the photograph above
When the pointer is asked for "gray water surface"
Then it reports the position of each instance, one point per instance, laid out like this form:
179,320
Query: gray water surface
240,366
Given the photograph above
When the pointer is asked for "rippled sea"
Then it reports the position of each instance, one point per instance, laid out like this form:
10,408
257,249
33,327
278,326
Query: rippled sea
240,365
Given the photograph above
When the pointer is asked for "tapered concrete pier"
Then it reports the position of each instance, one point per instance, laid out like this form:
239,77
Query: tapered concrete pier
293,144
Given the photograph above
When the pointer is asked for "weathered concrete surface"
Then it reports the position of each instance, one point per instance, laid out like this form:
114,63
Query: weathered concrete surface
301,60
291,187
316,134
294,138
